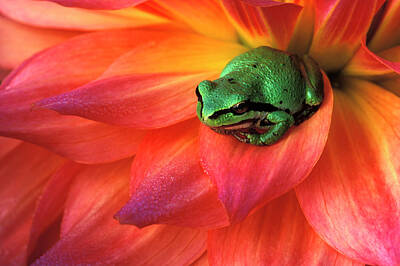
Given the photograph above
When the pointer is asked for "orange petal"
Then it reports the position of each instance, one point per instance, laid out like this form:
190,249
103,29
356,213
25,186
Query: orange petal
248,176
339,27
23,173
143,101
303,33
188,52
392,85
31,12
169,186
368,65
89,234
60,69
203,16
387,34
49,209
352,197
277,234
98,4
263,22
15,37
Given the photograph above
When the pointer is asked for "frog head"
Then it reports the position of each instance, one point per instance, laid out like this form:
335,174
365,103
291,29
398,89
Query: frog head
224,102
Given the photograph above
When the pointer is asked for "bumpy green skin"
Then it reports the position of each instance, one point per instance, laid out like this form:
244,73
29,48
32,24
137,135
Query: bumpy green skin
276,90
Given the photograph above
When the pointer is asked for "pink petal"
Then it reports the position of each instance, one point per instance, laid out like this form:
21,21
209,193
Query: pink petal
387,34
89,234
262,22
352,197
61,69
277,234
169,186
369,65
15,36
248,176
98,4
142,101
50,207
339,27
31,12
23,173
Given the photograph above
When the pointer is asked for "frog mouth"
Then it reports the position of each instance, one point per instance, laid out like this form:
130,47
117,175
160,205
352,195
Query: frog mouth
240,129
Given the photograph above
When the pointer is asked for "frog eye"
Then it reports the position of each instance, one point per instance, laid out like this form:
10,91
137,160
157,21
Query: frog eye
240,108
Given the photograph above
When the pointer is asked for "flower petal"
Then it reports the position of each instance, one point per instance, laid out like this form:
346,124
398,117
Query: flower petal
263,22
203,16
248,176
143,101
188,52
202,261
169,186
277,234
60,69
339,26
98,4
387,34
392,85
49,208
352,197
23,173
31,12
15,36
7,145
303,33
89,234
368,65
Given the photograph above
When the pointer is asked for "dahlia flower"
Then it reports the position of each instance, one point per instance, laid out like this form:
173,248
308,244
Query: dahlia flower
103,160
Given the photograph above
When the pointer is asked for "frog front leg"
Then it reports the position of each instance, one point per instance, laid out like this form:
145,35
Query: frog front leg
281,122
314,81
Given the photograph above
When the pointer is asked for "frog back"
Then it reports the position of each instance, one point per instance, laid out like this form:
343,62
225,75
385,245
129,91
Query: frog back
275,77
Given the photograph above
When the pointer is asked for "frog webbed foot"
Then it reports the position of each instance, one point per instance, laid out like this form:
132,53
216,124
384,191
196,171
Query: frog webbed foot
278,123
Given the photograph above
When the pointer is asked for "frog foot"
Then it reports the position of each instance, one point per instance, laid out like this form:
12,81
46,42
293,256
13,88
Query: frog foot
278,123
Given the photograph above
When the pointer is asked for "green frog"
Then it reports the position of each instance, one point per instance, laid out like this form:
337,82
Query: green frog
261,94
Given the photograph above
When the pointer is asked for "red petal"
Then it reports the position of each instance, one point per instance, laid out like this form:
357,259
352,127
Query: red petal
15,36
248,176
62,69
277,234
90,235
7,145
202,261
31,12
23,173
387,35
263,22
169,186
203,16
50,207
99,4
142,101
352,197
369,65
340,25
